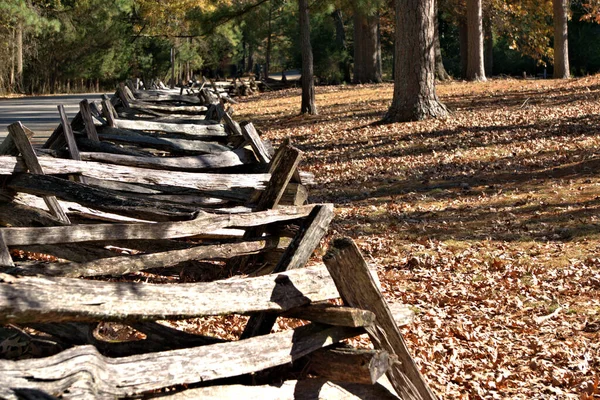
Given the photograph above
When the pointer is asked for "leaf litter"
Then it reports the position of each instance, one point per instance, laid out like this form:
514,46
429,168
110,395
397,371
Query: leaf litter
485,223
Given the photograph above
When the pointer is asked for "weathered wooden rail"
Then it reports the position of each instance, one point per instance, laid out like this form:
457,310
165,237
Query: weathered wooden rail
230,216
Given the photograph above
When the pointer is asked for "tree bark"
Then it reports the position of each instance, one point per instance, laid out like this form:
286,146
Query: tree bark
440,71
475,64
308,83
414,81
488,47
464,48
561,40
340,39
269,36
367,49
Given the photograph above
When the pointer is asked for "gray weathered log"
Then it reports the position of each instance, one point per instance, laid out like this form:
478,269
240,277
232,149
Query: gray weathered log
88,122
296,256
204,129
106,112
68,132
307,389
191,163
32,163
150,98
88,145
350,271
204,223
202,181
333,315
258,146
100,199
127,376
42,299
343,364
142,106
127,264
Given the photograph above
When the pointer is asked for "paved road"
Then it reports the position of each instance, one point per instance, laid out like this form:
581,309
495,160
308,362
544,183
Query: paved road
39,113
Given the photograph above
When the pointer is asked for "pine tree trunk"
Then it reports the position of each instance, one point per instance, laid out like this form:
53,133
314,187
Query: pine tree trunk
340,40
475,64
414,81
13,55
308,84
367,49
19,40
561,39
268,55
463,40
488,47
440,71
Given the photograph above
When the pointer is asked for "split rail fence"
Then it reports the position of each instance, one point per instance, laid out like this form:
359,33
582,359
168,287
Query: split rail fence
160,186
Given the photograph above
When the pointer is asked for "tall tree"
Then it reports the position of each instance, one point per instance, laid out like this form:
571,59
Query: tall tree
475,63
414,76
561,40
367,47
340,40
308,83
440,71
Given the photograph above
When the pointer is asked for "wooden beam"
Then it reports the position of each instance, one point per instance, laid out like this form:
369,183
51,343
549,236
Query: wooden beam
88,122
83,369
358,289
191,163
280,177
344,364
122,265
333,315
50,299
307,389
256,142
32,163
107,113
201,181
296,256
142,106
207,129
204,223
68,132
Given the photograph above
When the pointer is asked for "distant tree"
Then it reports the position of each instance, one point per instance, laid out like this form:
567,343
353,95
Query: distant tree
440,71
414,81
475,63
367,46
561,40
308,83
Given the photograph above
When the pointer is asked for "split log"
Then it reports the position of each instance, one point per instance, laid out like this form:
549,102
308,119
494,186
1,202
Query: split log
307,389
158,338
41,299
333,315
295,256
84,372
350,271
256,142
343,364
201,181
19,137
164,230
68,133
88,122
206,129
148,97
162,143
191,163
88,145
142,106
100,199
116,266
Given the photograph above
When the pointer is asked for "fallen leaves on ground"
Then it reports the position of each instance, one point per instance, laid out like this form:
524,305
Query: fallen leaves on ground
486,223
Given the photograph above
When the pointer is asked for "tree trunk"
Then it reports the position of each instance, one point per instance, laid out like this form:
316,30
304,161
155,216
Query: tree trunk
414,81
19,42
561,40
308,84
251,59
475,65
340,39
440,71
367,48
464,48
488,47
13,55
269,35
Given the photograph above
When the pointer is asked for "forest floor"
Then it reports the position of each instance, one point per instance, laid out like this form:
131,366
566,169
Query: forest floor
487,223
